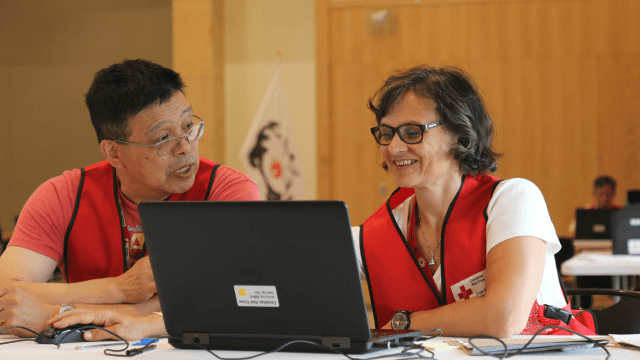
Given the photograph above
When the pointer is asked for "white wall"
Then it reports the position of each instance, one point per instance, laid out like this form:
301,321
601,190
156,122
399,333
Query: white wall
254,29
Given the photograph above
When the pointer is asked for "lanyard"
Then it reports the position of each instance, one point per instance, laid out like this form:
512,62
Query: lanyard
125,248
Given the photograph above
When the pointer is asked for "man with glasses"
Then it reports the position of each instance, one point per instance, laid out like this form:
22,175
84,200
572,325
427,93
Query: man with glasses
86,221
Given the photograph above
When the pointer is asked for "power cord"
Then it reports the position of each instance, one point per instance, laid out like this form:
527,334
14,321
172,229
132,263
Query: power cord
409,352
519,351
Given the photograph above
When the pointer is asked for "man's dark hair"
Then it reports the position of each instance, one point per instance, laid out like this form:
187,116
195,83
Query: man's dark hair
604,181
458,103
123,90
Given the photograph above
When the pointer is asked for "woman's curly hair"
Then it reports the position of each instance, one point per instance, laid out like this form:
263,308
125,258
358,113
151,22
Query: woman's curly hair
458,103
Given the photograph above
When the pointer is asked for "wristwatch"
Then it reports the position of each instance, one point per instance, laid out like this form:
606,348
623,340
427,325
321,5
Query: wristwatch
401,320
66,307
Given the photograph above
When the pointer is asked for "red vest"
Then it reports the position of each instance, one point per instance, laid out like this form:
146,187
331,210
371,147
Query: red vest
91,246
394,276
395,279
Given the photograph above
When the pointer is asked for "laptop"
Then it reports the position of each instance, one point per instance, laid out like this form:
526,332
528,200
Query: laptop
256,275
593,223
625,231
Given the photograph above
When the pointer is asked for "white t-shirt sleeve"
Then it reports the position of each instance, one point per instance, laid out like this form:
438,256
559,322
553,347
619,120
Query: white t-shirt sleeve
517,208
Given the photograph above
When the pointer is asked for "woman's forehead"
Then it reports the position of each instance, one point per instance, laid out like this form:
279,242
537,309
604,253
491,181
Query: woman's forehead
411,109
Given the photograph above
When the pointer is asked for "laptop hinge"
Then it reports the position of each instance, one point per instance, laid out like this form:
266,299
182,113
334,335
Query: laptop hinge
195,338
337,342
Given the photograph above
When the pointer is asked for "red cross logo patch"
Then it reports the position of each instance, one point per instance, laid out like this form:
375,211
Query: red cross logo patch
470,287
464,293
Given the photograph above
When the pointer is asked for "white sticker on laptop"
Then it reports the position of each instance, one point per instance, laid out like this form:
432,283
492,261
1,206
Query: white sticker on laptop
256,296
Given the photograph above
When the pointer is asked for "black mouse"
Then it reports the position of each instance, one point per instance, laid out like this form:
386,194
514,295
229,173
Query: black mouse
69,334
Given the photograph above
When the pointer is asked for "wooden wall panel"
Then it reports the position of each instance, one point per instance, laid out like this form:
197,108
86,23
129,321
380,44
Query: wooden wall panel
198,55
560,78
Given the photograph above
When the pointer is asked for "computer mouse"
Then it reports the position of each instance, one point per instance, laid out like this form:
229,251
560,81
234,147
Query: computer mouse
69,334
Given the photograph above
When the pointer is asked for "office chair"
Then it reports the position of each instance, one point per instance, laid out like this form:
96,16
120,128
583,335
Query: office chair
620,318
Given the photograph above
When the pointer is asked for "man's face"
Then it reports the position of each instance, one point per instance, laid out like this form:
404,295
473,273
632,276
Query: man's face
604,196
147,176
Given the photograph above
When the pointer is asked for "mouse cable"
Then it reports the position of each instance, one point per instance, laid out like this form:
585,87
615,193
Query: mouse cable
27,329
38,336
408,352
134,351
519,351
14,341
110,352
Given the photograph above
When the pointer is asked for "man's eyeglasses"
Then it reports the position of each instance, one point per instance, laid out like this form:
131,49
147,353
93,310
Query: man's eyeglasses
409,133
166,147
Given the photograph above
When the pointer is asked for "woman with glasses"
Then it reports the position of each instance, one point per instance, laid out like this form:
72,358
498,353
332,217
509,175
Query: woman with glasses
455,248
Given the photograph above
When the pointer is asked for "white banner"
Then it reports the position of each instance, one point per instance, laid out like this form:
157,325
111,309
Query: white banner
269,151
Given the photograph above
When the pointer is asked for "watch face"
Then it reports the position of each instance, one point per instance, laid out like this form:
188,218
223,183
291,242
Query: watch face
399,321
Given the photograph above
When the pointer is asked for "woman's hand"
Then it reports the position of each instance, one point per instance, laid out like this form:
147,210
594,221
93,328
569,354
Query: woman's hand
127,326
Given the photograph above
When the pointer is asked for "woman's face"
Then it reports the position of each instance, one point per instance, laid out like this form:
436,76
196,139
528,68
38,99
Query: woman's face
423,164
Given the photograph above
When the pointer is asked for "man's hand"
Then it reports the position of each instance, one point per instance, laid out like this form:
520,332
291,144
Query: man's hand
127,326
137,284
20,307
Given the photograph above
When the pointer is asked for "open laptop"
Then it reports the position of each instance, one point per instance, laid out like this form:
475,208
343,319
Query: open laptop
256,275
593,223
625,231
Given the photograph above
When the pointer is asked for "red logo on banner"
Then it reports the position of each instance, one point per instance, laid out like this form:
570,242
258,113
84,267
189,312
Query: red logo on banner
276,169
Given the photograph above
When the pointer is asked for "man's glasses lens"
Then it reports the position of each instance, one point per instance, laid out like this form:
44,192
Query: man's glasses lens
194,134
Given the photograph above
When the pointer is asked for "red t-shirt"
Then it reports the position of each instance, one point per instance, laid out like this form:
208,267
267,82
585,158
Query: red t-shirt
44,218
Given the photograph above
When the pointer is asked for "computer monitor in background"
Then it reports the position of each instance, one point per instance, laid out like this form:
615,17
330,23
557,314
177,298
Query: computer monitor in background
593,224
633,197
625,231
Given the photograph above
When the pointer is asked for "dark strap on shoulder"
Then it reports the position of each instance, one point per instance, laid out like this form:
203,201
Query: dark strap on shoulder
211,180
65,257
486,217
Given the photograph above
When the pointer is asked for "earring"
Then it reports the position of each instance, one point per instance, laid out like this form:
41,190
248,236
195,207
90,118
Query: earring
385,166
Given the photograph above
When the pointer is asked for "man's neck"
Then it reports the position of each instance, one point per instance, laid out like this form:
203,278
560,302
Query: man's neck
137,196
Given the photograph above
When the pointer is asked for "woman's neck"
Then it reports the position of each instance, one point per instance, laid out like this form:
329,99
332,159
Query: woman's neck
434,198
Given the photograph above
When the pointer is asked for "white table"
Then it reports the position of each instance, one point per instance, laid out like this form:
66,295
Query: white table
29,350
604,263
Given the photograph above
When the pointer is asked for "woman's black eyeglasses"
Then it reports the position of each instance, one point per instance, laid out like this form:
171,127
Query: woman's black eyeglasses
409,133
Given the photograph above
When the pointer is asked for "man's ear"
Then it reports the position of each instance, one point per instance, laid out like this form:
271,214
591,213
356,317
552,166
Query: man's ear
112,152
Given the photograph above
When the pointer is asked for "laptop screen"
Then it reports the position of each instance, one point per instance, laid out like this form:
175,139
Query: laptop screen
247,268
